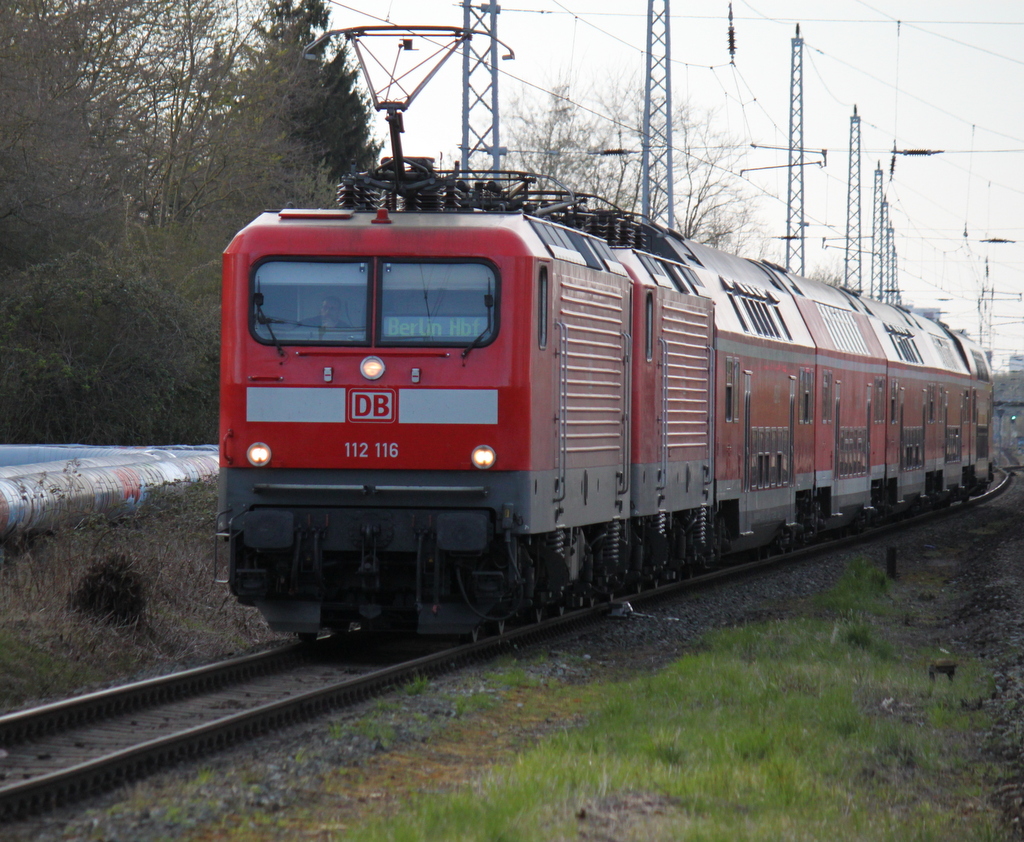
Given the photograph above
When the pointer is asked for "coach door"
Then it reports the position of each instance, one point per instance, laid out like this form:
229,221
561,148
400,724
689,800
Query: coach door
561,419
787,472
749,460
748,476
966,432
903,448
663,413
867,434
837,453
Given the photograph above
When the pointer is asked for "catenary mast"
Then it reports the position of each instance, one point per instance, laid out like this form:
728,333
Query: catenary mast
795,218
657,174
852,264
480,86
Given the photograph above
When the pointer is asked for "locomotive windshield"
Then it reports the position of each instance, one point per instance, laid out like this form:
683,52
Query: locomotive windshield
310,301
436,303
319,302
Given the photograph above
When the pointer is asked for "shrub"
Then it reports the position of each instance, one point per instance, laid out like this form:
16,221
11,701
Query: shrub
98,351
111,590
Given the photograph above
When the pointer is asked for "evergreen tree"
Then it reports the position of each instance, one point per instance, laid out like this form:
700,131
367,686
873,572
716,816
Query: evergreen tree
331,117
339,119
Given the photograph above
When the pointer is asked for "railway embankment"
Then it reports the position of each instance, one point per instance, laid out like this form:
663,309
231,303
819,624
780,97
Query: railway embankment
815,702
117,598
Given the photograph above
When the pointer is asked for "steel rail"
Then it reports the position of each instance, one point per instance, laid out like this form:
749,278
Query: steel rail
32,723
47,791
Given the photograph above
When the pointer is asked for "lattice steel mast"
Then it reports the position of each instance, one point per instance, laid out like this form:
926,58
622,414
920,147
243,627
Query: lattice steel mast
877,234
884,283
480,86
892,293
657,174
852,264
795,219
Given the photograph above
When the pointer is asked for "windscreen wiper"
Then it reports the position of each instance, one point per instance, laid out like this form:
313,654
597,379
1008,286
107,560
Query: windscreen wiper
257,300
489,304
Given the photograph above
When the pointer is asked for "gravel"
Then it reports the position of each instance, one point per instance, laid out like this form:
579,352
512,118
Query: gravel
981,608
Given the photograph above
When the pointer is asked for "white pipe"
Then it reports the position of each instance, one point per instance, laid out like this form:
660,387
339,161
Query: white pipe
44,495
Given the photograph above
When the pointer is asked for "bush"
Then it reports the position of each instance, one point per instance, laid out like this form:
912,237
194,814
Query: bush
98,351
111,590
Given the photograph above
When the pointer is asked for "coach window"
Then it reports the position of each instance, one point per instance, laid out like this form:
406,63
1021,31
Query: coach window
452,304
806,395
542,308
310,302
879,400
894,392
826,397
732,395
649,327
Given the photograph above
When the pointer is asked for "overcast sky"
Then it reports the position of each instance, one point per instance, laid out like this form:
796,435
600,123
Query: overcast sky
924,74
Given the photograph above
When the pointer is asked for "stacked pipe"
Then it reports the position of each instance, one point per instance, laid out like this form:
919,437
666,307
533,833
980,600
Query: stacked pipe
79,481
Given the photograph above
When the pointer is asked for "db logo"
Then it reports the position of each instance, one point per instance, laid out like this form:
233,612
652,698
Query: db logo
371,406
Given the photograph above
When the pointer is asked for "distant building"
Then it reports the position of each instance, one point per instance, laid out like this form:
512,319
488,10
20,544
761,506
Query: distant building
933,313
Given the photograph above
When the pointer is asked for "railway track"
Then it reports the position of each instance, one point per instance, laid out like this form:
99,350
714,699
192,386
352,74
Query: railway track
68,750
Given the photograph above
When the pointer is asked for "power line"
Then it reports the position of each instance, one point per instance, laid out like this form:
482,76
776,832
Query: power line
944,37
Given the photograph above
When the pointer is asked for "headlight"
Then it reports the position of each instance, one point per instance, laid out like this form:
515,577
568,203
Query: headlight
258,454
372,368
483,457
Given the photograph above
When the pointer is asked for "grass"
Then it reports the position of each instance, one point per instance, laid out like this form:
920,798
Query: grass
171,610
861,589
809,728
469,703
417,686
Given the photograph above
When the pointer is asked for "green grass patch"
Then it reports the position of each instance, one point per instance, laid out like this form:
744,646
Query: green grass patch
417,686
375,730
804,729
515,676
860,589
470,703
29,671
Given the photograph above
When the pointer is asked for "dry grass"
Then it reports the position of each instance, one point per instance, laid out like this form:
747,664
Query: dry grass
111,599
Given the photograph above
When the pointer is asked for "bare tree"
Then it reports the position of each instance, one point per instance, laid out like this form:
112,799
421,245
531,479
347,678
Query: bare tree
155,113
137,136
584,146
830,273
59,144
593,141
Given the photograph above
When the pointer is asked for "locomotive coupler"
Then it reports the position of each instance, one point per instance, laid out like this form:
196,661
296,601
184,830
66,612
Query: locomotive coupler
369,565
308,554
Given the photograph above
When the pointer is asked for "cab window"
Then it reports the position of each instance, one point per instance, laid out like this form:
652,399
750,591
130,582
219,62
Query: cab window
310,301
437,304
